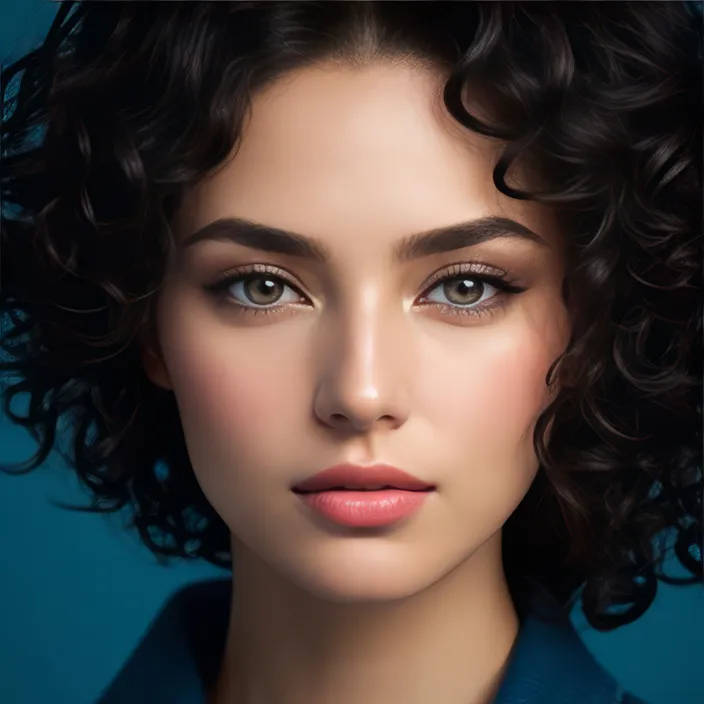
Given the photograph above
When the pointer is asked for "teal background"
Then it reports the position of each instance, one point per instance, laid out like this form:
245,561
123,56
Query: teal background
77,590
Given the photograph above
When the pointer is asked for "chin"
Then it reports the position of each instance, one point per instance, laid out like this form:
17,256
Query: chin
363,591
370,578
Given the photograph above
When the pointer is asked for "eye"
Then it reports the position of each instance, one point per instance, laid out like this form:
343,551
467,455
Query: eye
261,291
461,291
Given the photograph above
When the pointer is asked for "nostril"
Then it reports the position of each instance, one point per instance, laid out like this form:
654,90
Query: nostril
338,420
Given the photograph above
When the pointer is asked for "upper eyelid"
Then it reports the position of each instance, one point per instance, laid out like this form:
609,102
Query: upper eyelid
264,269
479,269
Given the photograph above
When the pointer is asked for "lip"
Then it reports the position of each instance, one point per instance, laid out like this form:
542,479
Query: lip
364,509
350,476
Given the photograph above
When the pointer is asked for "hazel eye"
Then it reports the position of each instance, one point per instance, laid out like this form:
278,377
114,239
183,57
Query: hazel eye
261,291
461,291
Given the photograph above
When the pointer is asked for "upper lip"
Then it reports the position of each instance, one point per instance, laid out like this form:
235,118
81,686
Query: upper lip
349,476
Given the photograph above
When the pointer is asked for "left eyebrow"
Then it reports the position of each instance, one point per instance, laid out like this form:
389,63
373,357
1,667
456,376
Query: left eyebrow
422,244
461,235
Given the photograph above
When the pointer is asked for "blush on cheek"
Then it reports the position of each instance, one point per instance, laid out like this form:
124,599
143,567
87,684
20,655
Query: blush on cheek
496,399
230,391
225,400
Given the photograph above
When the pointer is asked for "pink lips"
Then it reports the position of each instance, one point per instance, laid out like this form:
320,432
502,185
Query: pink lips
355,496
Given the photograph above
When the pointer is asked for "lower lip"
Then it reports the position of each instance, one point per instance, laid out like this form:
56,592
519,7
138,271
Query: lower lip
365,509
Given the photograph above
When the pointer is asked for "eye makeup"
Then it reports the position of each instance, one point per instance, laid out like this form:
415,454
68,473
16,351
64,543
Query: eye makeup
481,288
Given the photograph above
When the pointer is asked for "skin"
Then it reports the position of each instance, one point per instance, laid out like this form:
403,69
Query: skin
355,367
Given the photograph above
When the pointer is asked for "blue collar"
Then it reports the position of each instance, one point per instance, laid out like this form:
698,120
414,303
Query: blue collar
181,651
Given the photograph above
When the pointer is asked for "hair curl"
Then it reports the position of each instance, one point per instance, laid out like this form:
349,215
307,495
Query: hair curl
127,105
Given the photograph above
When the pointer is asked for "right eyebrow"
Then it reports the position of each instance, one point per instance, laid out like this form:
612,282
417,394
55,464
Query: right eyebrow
262,237
436,241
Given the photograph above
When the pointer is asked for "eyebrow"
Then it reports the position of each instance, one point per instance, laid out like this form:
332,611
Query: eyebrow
423,244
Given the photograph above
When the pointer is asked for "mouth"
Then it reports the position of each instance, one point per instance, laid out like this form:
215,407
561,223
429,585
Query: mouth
349,477
386,487
357,497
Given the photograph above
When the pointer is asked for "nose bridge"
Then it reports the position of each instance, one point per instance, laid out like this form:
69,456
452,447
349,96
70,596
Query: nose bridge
363,377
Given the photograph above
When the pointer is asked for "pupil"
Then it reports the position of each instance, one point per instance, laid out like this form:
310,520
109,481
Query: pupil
263,291
463,291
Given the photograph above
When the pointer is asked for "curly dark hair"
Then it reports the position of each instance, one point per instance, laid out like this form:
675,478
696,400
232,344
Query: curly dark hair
127,105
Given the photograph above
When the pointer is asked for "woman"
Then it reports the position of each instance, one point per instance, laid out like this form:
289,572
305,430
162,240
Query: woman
393,308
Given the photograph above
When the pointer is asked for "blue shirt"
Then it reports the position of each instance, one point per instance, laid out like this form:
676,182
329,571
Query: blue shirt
179,657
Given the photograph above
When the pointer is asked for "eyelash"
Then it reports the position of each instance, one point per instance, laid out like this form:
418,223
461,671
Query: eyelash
478,271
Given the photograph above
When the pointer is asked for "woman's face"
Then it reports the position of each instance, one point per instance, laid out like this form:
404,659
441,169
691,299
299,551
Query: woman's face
356,347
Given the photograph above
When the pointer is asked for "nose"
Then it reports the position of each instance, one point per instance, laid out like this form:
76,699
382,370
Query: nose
362,384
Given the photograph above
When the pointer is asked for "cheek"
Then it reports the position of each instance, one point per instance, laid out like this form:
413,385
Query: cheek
494,390
232,389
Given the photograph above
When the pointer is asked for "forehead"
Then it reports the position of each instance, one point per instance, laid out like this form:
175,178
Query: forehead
334,150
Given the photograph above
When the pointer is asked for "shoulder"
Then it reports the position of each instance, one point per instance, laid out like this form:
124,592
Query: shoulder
179,652
550,664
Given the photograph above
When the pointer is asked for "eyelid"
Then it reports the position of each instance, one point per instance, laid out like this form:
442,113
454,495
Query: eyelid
287,277
458,268
464,267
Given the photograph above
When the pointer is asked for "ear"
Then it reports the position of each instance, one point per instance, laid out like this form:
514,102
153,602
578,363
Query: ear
154,365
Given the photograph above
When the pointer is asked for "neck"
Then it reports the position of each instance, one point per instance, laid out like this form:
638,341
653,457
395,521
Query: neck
449,643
